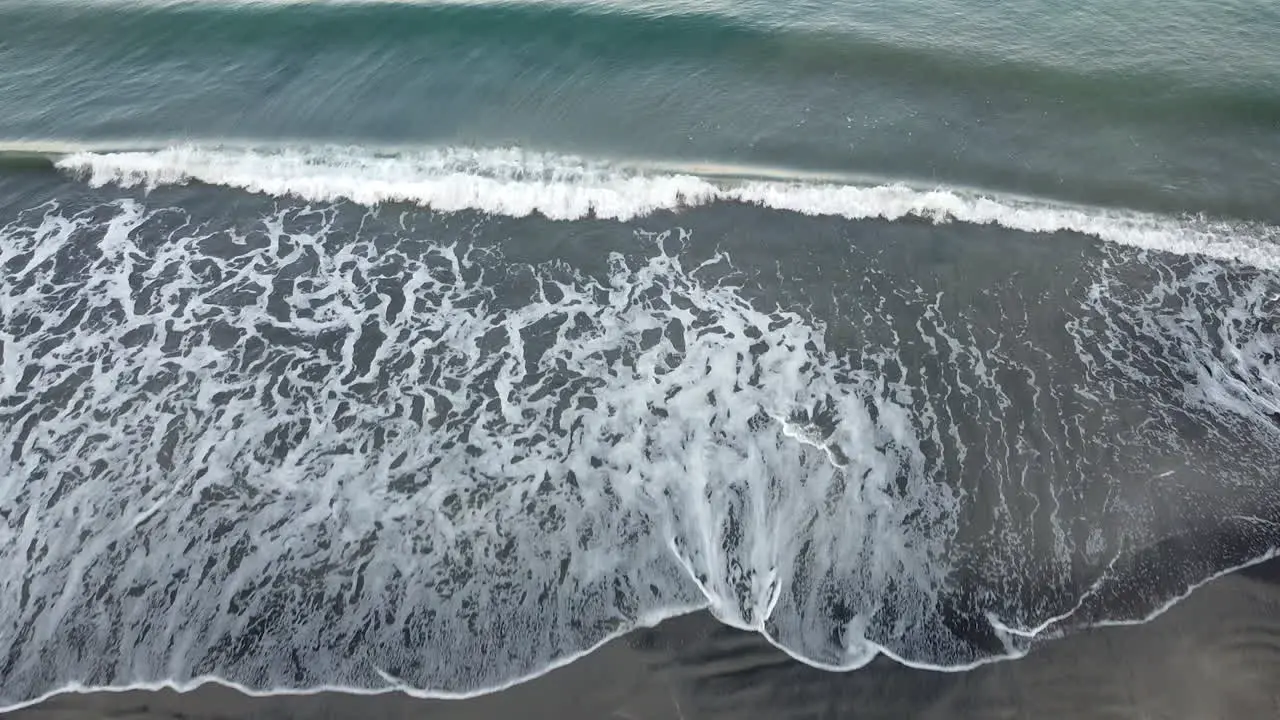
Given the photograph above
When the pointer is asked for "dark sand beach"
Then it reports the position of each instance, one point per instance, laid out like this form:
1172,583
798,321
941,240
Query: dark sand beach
1214,656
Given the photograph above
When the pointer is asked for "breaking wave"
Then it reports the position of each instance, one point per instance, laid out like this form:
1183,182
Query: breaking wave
517,183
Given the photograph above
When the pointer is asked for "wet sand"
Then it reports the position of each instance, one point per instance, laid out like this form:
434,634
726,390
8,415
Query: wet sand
1215,656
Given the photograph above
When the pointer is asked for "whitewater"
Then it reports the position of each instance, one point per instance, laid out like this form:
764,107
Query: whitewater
516,182
434,440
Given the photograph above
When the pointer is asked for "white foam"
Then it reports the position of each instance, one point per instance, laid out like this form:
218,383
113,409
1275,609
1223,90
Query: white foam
238,431
516,182
393,685
448,478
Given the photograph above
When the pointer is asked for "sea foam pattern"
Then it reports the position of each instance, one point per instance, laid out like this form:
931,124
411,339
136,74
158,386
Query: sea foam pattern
290,459
330,448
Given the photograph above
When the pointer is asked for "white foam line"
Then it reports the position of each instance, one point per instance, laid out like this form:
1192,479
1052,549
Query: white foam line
648,620
517,183
1015,654
877,650
1155,612
1270,554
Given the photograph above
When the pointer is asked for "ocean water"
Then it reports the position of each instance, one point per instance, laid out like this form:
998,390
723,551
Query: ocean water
429,345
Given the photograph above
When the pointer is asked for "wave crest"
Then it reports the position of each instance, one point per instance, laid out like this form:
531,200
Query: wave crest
517,183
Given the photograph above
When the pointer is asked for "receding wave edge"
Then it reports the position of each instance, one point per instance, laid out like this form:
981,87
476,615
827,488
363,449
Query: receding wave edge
395,686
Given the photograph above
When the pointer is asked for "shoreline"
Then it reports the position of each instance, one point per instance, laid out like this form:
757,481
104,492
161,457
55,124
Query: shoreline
1214,655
